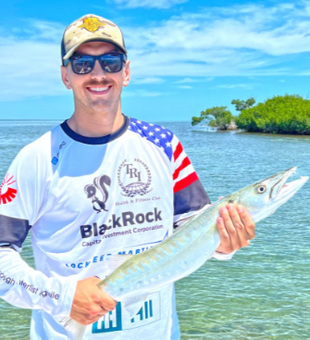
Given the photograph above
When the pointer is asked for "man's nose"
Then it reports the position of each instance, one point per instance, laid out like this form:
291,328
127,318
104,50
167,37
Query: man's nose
97,71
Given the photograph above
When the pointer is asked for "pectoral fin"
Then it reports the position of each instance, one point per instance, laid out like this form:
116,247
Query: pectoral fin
133,304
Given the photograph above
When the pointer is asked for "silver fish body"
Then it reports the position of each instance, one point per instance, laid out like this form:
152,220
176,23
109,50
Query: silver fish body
174,258
194,243
191,245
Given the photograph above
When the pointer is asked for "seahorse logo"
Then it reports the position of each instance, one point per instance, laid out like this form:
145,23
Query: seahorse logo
101,183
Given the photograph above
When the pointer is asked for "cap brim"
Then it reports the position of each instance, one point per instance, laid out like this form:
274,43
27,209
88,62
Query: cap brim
73,49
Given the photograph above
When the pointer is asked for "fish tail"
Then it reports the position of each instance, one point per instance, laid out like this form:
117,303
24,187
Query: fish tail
74,330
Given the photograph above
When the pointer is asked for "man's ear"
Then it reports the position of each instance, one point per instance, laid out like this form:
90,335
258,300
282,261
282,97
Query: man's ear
65,78
127,74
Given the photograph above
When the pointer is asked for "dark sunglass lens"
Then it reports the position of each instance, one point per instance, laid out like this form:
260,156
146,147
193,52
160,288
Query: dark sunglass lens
112,63
82,65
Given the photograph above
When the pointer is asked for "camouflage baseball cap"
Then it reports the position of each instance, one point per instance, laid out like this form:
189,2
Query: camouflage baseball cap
90,28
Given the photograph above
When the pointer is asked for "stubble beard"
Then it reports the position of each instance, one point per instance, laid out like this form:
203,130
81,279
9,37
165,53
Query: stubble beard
91,104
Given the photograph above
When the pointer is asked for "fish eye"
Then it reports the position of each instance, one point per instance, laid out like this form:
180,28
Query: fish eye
261,189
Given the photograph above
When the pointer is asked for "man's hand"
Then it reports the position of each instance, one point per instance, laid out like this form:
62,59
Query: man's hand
236,228
90,302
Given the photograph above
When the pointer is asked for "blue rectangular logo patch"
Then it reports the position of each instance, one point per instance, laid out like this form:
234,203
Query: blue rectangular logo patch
113,322
110,322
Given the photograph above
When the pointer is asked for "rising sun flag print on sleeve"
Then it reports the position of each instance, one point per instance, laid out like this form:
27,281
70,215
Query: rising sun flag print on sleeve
7,193
189,194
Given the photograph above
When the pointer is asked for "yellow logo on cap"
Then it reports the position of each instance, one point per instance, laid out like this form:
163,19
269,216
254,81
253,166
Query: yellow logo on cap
92,24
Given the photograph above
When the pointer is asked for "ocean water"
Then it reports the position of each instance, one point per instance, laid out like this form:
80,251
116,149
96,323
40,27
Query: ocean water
264,291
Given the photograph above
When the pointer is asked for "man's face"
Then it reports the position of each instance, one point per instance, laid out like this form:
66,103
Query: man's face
98,90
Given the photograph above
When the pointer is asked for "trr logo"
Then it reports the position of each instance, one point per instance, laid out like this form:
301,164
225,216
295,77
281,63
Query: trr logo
133,172
134,178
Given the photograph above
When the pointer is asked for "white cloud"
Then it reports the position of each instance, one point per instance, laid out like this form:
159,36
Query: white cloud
161,4
234,86
186,81
248,40
142,93
44,30
29,69
193,80
251,32
190,63
153,80
239,40
185,87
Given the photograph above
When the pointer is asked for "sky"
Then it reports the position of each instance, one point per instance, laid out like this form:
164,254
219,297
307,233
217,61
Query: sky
186,55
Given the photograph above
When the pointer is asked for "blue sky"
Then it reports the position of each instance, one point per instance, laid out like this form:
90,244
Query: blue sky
186,55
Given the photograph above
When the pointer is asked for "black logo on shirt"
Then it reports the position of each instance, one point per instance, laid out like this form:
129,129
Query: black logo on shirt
134,178
125,219
101,183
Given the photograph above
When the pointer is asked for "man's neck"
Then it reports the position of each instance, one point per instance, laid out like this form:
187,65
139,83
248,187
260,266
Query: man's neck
95,124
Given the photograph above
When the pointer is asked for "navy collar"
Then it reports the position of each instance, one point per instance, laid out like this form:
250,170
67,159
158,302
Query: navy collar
95,140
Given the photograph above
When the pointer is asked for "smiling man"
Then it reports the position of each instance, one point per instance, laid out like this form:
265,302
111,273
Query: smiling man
99,184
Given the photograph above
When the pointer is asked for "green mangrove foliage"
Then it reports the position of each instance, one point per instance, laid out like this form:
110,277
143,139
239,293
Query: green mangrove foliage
280,114
243,104
217,116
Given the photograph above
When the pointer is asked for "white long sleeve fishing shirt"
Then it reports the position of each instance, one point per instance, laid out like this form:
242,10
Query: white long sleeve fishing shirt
84,199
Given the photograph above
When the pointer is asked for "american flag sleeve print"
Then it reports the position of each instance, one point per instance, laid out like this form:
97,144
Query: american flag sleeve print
189,194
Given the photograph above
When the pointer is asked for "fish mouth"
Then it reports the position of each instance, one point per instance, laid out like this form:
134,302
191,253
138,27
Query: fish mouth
282,191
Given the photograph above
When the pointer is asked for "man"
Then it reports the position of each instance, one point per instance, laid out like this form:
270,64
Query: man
97,185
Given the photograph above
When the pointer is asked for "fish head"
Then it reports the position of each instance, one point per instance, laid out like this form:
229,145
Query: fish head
262,198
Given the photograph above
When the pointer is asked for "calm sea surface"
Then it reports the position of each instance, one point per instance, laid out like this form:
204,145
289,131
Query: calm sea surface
264,291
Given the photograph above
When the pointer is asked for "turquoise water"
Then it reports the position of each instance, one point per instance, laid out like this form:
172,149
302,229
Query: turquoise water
264,291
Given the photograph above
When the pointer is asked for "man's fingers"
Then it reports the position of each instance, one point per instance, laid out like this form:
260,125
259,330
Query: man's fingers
247,221
87,320
90,302
106,302
90,317
243,236
105,309
236,228
225,241
224,237
103,312
232,232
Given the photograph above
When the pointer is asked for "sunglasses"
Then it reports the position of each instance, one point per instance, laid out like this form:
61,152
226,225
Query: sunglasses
84,64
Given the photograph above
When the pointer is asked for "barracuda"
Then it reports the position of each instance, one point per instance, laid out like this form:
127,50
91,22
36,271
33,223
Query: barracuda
190,246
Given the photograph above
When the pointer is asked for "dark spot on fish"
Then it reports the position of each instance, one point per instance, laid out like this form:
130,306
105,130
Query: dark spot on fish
231,201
